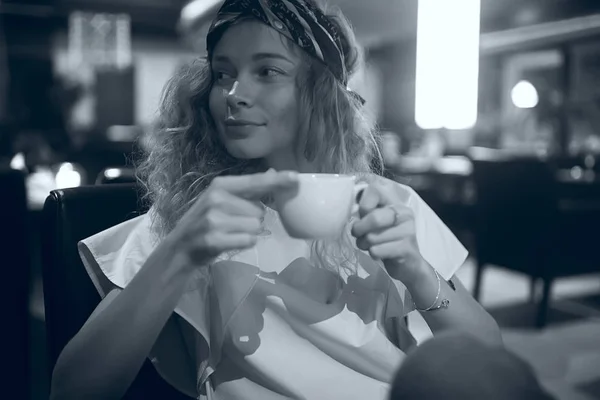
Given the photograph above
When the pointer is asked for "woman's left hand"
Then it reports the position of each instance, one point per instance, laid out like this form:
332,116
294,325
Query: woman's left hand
386,229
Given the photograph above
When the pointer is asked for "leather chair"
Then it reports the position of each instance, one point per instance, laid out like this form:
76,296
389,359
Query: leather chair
14,296
71,215
513,214
520,226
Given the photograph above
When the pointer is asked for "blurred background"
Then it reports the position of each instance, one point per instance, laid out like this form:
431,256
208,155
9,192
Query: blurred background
489,109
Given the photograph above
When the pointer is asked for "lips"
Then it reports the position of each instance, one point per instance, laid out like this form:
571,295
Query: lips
240,122
240,128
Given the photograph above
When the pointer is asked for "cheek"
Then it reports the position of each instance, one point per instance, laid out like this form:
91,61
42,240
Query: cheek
216,104
286,114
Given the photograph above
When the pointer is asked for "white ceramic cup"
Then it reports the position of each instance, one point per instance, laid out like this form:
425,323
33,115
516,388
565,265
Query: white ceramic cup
320,207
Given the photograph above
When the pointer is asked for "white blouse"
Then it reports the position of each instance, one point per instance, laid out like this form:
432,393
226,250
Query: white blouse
258,324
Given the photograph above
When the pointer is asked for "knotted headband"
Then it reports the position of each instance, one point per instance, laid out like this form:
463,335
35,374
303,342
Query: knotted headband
298,20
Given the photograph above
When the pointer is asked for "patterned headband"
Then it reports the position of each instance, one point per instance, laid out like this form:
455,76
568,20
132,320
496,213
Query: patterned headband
298,20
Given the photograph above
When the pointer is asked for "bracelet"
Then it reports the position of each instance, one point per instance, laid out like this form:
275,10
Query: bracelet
445,302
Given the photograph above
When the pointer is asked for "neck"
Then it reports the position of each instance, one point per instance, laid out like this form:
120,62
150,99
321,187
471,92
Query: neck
289,161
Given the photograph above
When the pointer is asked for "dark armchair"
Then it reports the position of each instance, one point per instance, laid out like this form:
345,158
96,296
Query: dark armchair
519,225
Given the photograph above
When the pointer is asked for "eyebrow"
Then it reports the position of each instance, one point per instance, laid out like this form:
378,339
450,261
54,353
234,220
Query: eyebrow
256,57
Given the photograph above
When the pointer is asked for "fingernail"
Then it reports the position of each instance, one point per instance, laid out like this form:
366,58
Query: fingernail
292,174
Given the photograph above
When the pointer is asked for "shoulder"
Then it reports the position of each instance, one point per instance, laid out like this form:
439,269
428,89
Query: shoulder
120,235
118,252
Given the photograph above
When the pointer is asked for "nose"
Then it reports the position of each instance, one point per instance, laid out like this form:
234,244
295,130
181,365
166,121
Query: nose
239,96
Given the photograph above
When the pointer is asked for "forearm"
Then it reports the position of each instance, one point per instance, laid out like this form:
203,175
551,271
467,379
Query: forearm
104,358
463,313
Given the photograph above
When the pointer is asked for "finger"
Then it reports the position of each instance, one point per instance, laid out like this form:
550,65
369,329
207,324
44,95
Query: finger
219,242
256,186
234,205
217,221
239,241
388,250
386,235
381,218
369,200
362,244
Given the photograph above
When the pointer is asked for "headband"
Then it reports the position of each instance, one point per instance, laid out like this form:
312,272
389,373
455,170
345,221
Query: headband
298,20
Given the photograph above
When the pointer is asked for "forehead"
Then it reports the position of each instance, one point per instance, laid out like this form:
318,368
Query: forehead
244,39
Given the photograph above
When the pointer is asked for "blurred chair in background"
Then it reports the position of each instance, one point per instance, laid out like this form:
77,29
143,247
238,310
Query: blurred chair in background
70,297
14,297
519,225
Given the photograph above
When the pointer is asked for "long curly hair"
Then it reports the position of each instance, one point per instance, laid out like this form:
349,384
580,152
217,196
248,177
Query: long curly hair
183,154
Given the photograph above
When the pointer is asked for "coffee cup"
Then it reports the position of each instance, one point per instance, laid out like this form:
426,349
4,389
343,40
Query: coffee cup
320,206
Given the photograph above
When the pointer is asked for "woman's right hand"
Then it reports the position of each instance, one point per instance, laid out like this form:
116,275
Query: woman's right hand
227,215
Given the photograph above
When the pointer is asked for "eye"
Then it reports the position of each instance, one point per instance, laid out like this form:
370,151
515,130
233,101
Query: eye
222,76
270,72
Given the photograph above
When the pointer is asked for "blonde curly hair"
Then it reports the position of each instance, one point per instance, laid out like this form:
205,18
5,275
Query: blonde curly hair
182,154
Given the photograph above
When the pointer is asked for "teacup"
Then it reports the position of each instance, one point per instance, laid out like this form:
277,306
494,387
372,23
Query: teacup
320,207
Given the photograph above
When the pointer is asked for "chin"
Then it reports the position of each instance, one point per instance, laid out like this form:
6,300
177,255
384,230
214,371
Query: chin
246,150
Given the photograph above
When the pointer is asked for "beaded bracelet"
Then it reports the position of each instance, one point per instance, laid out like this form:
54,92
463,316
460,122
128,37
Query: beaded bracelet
444,303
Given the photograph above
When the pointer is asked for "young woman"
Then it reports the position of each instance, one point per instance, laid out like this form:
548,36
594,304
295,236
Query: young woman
209,285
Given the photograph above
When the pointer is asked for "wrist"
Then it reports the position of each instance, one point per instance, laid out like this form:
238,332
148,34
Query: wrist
426,289
424,282
420,275
176,255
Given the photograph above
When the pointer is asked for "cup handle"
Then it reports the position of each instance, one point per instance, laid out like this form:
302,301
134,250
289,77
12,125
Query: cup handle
358,189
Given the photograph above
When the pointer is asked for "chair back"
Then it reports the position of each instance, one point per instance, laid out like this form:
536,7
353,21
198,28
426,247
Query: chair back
514,212
71,215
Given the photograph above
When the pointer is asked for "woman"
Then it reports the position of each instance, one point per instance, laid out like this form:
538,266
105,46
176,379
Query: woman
208,284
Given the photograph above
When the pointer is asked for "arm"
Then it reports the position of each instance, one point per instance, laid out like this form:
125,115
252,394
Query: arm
127,323
464,313
103,359
388,231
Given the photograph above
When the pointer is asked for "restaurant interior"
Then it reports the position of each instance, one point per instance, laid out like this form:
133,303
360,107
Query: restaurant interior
487,109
